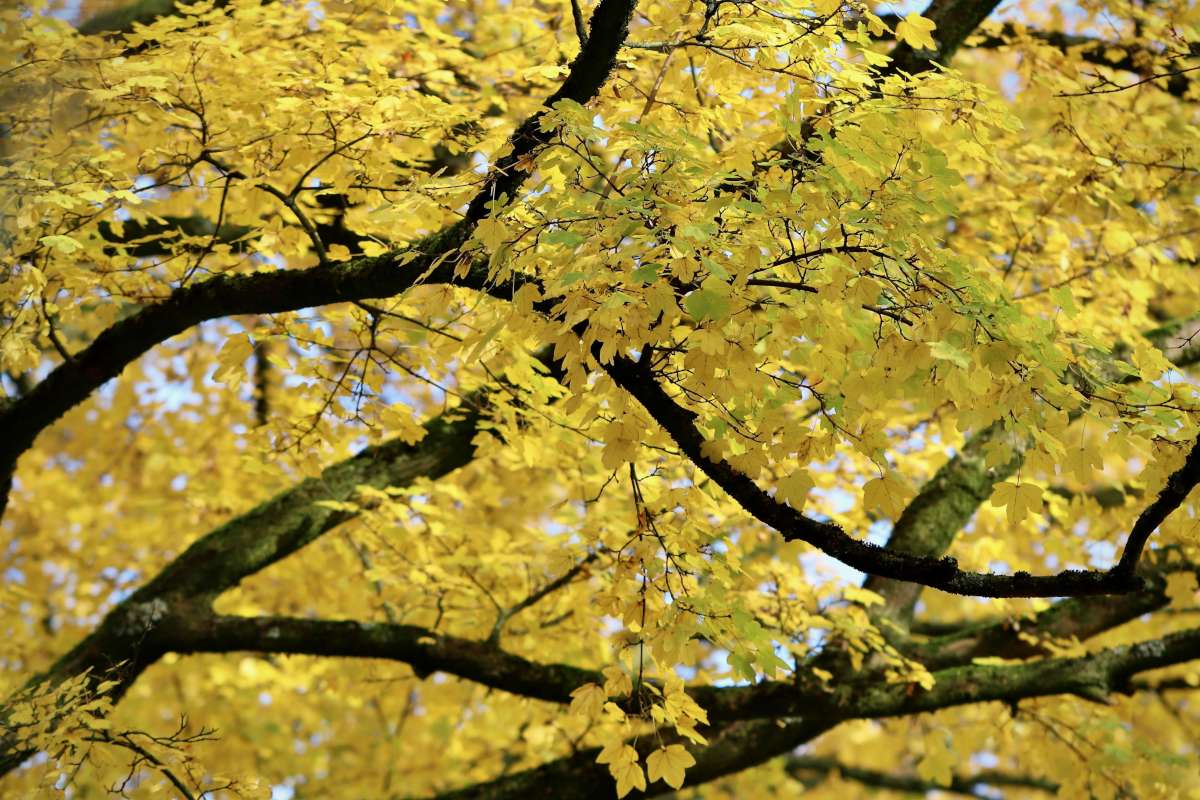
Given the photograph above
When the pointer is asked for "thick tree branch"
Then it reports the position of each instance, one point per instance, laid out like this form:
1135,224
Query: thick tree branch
1119,56
129,638
782,728
124,18
812,770
938,573
188,628
1179,486
266,292
956,20
1115,55
294,518
867,695
424,650
578,777
145,238
932,519
608,30
1078,617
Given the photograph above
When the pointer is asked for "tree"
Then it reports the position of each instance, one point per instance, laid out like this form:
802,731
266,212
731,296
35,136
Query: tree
498,399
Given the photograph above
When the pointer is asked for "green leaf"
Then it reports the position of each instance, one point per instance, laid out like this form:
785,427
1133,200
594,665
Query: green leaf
647,272
948,352
705,305
1065,300
563,237
63,244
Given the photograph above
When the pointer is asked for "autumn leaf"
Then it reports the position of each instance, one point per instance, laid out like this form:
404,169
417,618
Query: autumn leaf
938,762
629,776
668,764
62,243
794,487
707,305
588,700
915,30
864,597
492,232
232,360
887,494
1020,499
1083,461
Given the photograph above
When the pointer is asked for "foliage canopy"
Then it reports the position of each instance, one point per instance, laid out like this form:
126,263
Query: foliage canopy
532,399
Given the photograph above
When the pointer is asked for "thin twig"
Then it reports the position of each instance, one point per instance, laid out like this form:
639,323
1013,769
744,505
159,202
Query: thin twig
309,228
539,594
580,25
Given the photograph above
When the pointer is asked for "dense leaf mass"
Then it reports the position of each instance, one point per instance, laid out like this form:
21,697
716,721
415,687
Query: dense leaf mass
599,398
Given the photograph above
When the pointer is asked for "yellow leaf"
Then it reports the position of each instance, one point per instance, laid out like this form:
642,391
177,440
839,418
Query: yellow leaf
63,244
617,682
1118,241
588,700
491,232
629,776
1182,588
668,765
887,494
616,752
794,487
915,29
1083,461
864,597
937,764
232,360
371,248
1020,499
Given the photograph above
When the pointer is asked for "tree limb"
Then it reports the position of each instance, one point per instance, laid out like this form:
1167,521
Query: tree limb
426,651
1077,617
127,641
804,768
932,519
746,744
939,573
1094,51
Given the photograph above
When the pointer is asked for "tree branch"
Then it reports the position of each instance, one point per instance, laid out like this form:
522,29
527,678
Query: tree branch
1133,58
426,651
537,595
782,728
124,18
939,573
1079,617
932,519
1178,487
128,639
804,768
